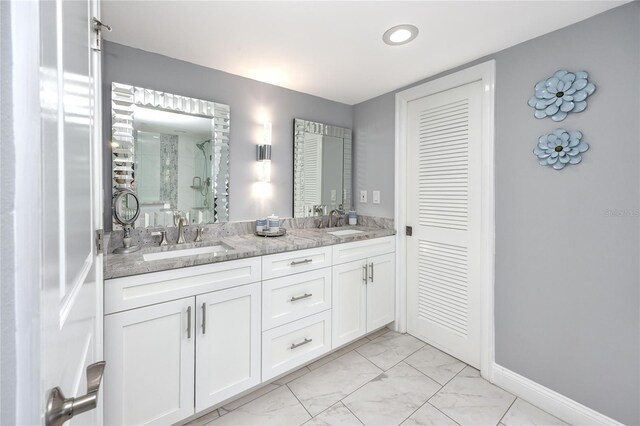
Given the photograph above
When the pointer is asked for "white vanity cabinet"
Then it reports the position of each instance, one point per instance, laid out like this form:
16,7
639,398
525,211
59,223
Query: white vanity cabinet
171,359
363,288
150,358
185,340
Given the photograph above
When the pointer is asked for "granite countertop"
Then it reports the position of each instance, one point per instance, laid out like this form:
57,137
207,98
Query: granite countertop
243,246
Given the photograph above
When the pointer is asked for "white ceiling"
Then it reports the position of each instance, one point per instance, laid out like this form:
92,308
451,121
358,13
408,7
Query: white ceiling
334,49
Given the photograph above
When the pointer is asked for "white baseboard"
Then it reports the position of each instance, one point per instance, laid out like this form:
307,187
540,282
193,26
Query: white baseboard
552,402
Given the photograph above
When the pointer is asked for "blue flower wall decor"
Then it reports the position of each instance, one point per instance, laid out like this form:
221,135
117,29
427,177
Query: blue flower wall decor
560,94
560,148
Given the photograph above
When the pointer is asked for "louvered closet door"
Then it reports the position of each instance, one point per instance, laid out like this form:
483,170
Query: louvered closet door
443,255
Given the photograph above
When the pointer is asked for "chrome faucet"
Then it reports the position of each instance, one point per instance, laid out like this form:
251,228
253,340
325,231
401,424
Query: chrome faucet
319,211
182,222
340,213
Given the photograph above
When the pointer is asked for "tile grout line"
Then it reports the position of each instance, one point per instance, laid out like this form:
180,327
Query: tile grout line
440,411
448,381
509,408
396,362
420,406
299,402
383,372
354,414
427,400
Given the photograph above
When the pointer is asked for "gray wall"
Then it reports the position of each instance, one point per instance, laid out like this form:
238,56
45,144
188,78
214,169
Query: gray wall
567,243
373,152
251,103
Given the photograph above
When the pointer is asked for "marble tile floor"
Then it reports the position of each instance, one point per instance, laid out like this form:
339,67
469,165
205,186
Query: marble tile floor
383,379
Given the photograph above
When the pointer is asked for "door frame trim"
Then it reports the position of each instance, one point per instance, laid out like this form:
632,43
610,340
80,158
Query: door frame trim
484,72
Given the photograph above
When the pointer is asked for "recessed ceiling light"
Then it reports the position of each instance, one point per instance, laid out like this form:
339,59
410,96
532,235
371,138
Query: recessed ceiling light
400,34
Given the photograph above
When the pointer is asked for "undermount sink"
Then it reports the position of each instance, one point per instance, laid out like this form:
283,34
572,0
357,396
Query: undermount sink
179,252
345,232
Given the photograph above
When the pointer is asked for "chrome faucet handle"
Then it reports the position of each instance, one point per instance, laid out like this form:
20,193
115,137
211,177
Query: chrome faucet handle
199,232
163,237
181,224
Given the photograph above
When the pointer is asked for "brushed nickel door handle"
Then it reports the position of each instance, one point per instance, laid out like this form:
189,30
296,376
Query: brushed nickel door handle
61,409
364,273
371,269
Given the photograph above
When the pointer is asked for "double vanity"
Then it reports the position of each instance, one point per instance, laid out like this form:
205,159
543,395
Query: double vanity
190,327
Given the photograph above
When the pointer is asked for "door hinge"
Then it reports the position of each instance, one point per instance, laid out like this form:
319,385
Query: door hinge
409,231
99,241
96,34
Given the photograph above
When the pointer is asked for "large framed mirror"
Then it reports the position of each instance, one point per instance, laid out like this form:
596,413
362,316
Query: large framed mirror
173,153
322,167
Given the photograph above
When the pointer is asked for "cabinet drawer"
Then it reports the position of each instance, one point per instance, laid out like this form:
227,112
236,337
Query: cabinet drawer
278,265
291,345
289,298
141,290
348,252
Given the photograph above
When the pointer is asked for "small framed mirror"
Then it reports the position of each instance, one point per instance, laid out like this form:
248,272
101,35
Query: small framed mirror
322,167
172,152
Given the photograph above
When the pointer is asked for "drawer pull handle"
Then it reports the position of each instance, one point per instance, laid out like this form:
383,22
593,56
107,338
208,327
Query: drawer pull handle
304,342
301,262
204,318
189,322
304,296
364,273
371,268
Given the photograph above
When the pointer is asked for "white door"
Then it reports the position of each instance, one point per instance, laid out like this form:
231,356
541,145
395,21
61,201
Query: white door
443,191
228,344
151,351
381,291
349,309
71,294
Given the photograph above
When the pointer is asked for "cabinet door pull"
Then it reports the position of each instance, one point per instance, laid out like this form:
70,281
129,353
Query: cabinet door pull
304,296
301,262
371,269
364,273
204,318
189,322
304,342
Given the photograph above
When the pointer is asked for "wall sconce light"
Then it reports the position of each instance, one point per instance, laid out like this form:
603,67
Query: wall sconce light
263,153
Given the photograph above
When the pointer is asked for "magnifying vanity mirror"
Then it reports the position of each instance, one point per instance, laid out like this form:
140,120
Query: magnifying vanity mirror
321,168
126,209
172,152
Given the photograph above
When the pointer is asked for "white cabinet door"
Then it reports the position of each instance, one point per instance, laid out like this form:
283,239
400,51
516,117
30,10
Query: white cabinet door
150,364
228,346
381,291
349,308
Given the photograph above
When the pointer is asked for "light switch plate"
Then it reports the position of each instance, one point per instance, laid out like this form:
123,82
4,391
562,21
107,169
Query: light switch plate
376,197
363,196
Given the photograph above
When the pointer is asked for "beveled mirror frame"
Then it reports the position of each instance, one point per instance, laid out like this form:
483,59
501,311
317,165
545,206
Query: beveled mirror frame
300,127
123,99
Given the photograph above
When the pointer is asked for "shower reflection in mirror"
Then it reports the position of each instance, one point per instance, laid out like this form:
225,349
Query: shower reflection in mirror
180,160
